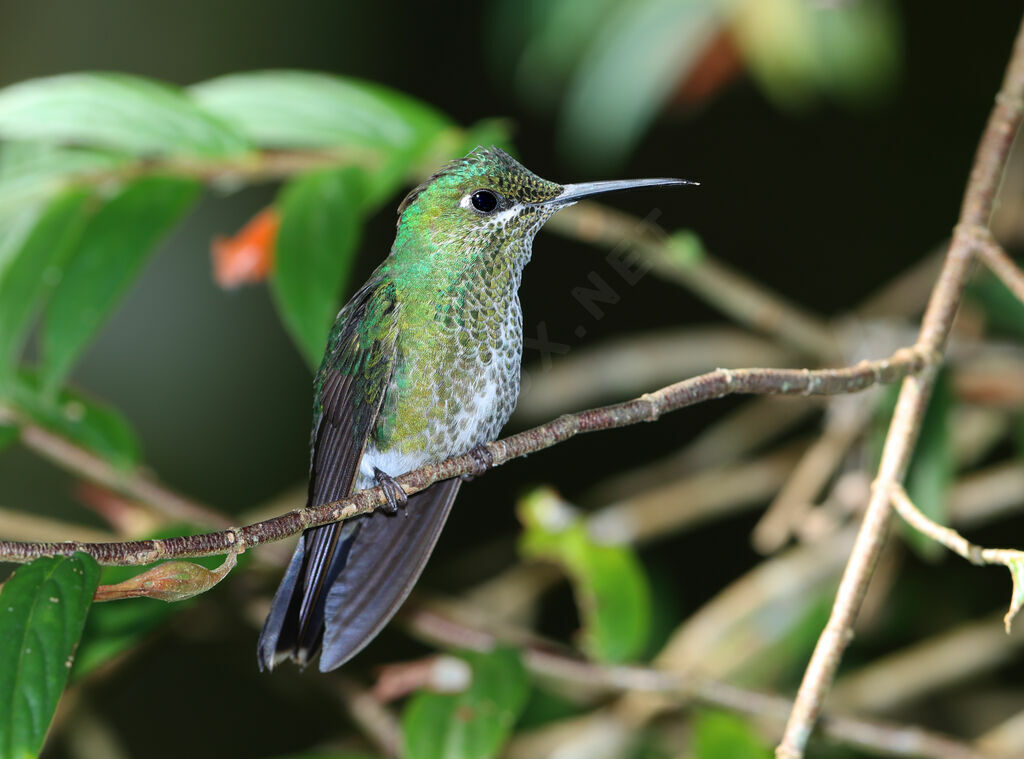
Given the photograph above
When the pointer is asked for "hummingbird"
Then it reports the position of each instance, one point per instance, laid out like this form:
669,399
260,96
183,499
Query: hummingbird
422,364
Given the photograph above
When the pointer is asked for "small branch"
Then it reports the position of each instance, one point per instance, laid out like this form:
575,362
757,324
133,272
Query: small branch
545,661
1001,264
1010,558
647,408
975,213
375,720
133,484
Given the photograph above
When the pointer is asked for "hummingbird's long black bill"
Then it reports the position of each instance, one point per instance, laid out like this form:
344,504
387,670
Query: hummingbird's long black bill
573,192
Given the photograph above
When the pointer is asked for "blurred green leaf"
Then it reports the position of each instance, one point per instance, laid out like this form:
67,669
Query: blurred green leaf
82,420
718,735
43,607
629,70
305,109
39,262
608,580
798,49
932,467
16,224
111,251
8,435
1002,310
328,755
473,724
118,111
31,172
545,706
321,217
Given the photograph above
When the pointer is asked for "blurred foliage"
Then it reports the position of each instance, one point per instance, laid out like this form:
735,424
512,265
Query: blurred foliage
611,588
473,724
717,735
610,67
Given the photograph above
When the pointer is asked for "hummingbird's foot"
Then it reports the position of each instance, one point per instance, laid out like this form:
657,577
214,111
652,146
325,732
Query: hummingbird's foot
392,491
483,459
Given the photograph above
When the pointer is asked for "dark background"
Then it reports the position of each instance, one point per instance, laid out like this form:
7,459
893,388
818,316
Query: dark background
822,206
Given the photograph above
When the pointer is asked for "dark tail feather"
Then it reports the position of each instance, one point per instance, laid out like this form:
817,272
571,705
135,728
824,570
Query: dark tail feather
373,564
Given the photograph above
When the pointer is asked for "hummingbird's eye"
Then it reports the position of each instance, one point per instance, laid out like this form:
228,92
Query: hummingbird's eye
484,201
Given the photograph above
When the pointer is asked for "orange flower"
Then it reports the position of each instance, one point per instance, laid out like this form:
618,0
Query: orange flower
247,257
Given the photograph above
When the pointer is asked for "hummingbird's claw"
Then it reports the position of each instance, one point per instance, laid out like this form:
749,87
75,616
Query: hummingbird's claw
483,458
392,491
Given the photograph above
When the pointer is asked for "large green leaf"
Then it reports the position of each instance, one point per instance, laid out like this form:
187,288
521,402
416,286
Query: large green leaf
717,735
31,172
609,582
111,251
473,724
320,226
304,109
42,612
40,260
77,417
126,113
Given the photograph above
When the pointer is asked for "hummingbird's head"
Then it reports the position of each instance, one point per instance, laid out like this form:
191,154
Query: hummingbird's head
489,200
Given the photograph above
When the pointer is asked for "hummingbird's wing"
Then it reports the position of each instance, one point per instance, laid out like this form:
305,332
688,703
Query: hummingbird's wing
346,580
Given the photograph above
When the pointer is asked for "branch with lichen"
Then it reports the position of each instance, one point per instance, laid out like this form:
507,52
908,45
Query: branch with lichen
647,408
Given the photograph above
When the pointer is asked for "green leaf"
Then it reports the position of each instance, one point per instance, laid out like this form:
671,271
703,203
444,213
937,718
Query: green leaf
609,582
118,111
616,93
473,724
34,171
304,109
328,755
932,467
718,735
320,225
38,263
78,418
8,435
111,251
43,607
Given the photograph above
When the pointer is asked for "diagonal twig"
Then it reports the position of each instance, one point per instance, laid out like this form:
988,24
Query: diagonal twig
975,212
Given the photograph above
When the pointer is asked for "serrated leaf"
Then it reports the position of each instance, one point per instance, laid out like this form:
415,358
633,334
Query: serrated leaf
43,607
39,261
86,422
473,724
126,113
616,92
608,581
931,471
718,735
305,109
109,254
316,244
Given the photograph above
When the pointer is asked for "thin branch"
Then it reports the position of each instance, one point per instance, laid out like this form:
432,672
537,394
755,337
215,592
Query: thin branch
1001,264
910,407
135,484
1010,558
647,408
546,661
